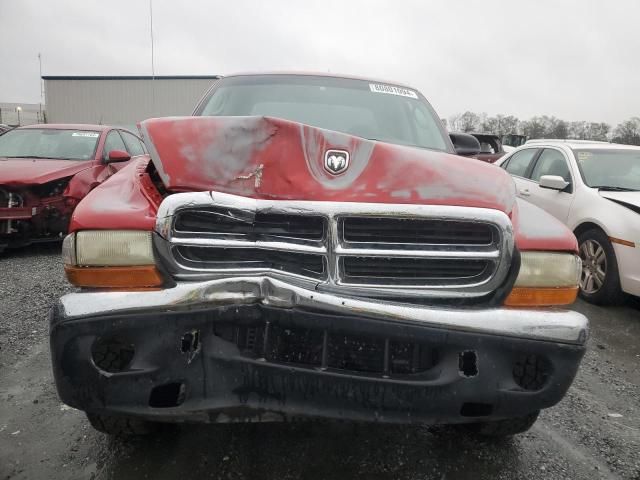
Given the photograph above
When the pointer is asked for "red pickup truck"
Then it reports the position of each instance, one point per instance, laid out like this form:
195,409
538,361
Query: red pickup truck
311,246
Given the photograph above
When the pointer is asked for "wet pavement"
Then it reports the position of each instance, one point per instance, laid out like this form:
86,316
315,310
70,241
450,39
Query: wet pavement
593,433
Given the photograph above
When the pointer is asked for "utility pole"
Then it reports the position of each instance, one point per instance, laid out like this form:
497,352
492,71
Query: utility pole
41,81
40,116
153,69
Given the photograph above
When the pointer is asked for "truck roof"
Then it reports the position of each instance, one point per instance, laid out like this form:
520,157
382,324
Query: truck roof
320,74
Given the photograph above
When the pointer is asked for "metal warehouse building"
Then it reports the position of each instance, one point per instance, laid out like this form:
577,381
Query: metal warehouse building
121,101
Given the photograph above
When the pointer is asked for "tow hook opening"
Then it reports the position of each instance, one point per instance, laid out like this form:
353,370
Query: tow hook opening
190,344
167,395
468,364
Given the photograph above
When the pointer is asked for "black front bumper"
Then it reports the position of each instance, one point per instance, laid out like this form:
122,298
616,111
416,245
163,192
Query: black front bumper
202,365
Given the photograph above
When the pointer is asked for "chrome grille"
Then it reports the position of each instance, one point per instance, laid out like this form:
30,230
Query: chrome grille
413,270
261,226
357,248
415,231
221,258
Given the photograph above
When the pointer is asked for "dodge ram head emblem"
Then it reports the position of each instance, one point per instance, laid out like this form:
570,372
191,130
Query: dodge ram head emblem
336,161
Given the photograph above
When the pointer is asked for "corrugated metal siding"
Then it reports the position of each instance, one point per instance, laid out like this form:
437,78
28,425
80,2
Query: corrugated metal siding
121,101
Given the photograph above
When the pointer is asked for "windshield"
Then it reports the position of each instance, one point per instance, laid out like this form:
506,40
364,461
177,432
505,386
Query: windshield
370,110
614,169
49,143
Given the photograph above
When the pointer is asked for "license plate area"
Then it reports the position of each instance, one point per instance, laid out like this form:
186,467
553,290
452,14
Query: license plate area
331,350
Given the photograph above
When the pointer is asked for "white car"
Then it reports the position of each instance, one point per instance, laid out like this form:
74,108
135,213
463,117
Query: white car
594,188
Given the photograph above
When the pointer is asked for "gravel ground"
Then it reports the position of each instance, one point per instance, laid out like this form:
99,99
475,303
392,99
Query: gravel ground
593,433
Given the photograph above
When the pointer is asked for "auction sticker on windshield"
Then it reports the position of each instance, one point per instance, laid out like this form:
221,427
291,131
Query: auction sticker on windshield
392,90
85,134
584,156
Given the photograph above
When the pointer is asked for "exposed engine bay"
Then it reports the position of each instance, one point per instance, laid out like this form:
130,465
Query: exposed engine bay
36,213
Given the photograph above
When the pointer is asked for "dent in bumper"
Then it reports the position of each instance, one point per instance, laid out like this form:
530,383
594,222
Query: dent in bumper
215,380
534,324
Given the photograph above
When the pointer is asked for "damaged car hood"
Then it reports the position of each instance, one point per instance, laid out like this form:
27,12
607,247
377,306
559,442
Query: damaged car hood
26,171
264,157
628,199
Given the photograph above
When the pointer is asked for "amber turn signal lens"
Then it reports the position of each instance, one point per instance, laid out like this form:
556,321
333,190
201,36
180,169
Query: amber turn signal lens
541,297
114,277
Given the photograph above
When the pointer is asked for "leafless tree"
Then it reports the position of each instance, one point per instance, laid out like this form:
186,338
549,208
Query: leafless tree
534,127
628,132
545,126
466,122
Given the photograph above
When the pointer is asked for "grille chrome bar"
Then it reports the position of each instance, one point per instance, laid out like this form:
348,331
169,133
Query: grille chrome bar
482,235
234,243
380,252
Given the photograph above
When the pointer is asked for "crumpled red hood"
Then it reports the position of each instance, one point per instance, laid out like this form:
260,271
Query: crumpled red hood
264,157
26,171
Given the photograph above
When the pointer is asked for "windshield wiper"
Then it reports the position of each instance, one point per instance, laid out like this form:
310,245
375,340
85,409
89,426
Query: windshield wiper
610,188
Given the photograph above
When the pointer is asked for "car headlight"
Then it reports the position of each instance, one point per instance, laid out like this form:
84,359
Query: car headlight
545,279
110,259
52,189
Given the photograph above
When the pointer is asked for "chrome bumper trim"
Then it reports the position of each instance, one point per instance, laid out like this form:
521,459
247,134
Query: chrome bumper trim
553,325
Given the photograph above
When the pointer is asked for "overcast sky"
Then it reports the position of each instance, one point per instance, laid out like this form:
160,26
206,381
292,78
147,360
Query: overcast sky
577,60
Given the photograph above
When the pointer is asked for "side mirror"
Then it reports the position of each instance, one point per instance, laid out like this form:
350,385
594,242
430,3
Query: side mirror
553,182
116,156
465,144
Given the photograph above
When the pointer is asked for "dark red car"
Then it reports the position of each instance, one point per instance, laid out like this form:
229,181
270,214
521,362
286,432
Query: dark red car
45,170
490,147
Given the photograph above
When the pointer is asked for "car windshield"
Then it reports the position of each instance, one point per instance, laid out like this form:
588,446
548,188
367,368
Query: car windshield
49,143
612,169
370,110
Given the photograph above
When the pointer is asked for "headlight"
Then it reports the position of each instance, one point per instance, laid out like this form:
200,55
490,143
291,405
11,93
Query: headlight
545,279
52,189
545,269
110,259
113,248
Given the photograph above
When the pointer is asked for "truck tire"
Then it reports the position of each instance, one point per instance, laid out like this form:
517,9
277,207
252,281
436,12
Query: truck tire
598,258
504,428
121,425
